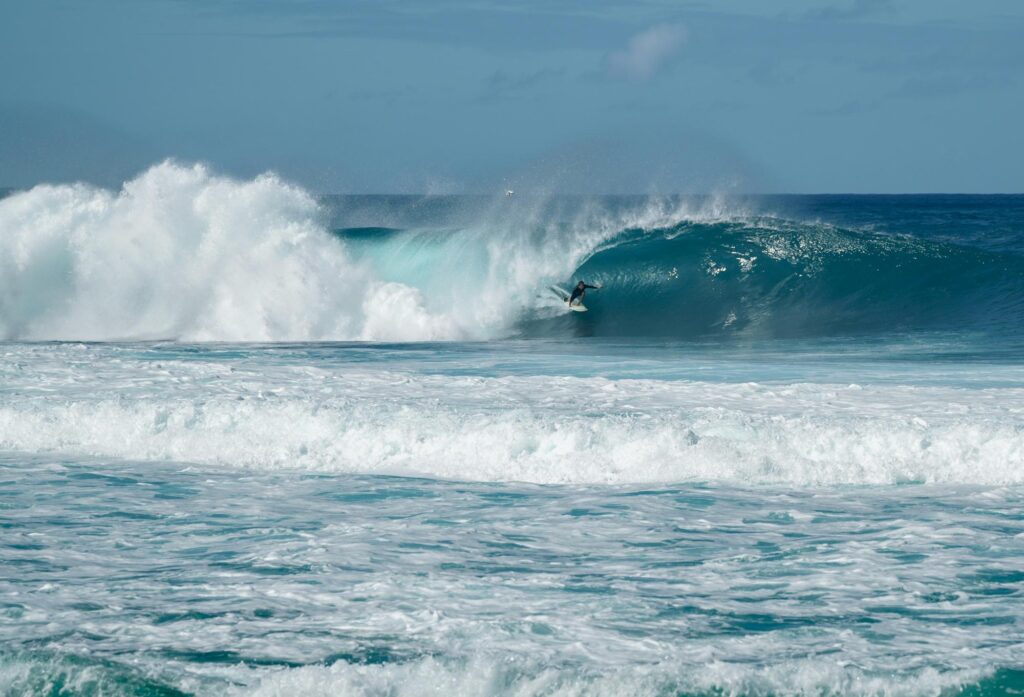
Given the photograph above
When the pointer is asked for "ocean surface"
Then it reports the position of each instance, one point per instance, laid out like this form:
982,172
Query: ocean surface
259,442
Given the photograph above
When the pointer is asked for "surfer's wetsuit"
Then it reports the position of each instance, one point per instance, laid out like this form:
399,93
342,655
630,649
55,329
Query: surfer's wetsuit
579,291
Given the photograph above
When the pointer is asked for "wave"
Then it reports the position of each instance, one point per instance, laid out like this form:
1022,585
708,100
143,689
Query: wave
490,429
180,253
770,277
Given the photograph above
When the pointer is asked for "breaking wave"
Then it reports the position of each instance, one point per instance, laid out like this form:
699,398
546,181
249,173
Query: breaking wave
180,253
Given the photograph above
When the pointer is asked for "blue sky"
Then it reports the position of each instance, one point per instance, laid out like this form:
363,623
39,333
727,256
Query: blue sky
562,95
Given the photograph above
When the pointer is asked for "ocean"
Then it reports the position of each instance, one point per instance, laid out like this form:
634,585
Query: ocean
255,441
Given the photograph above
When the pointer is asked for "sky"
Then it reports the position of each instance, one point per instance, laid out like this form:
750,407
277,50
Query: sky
470,96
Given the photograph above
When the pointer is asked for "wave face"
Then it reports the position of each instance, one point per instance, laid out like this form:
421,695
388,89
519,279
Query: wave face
768,277
180,253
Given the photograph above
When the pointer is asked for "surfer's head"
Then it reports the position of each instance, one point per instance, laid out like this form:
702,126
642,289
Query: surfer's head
581,285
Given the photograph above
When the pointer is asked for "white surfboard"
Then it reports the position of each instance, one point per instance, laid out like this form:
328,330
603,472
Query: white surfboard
565,295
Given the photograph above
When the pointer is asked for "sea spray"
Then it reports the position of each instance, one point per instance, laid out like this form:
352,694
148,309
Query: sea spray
180,253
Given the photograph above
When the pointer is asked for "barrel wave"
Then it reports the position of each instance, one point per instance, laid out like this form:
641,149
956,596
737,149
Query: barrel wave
181,253
770,277
672,269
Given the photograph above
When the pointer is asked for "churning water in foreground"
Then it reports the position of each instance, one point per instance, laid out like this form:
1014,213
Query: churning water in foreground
510,519
781,455
135,579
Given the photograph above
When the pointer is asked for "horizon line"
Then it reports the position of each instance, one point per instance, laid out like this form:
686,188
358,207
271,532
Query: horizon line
533,194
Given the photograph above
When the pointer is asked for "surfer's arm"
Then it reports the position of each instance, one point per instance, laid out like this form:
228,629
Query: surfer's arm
594,287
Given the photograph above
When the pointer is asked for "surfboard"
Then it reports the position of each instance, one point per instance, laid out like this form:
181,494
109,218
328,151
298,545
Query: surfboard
564,295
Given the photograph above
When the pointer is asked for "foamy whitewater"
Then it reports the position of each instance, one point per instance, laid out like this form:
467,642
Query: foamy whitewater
258,442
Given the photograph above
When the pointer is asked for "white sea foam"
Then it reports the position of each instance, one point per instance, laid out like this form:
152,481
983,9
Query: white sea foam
512,678
180,253
513,428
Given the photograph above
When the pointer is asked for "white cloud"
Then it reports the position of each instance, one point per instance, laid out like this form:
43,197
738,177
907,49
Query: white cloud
647,52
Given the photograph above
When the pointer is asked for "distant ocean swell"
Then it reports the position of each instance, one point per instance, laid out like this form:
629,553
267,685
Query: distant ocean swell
180,253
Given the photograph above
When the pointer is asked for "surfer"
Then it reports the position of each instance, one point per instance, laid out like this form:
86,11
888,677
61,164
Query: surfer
579,291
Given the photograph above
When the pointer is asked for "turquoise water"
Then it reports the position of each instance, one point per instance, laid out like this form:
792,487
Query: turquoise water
256,443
